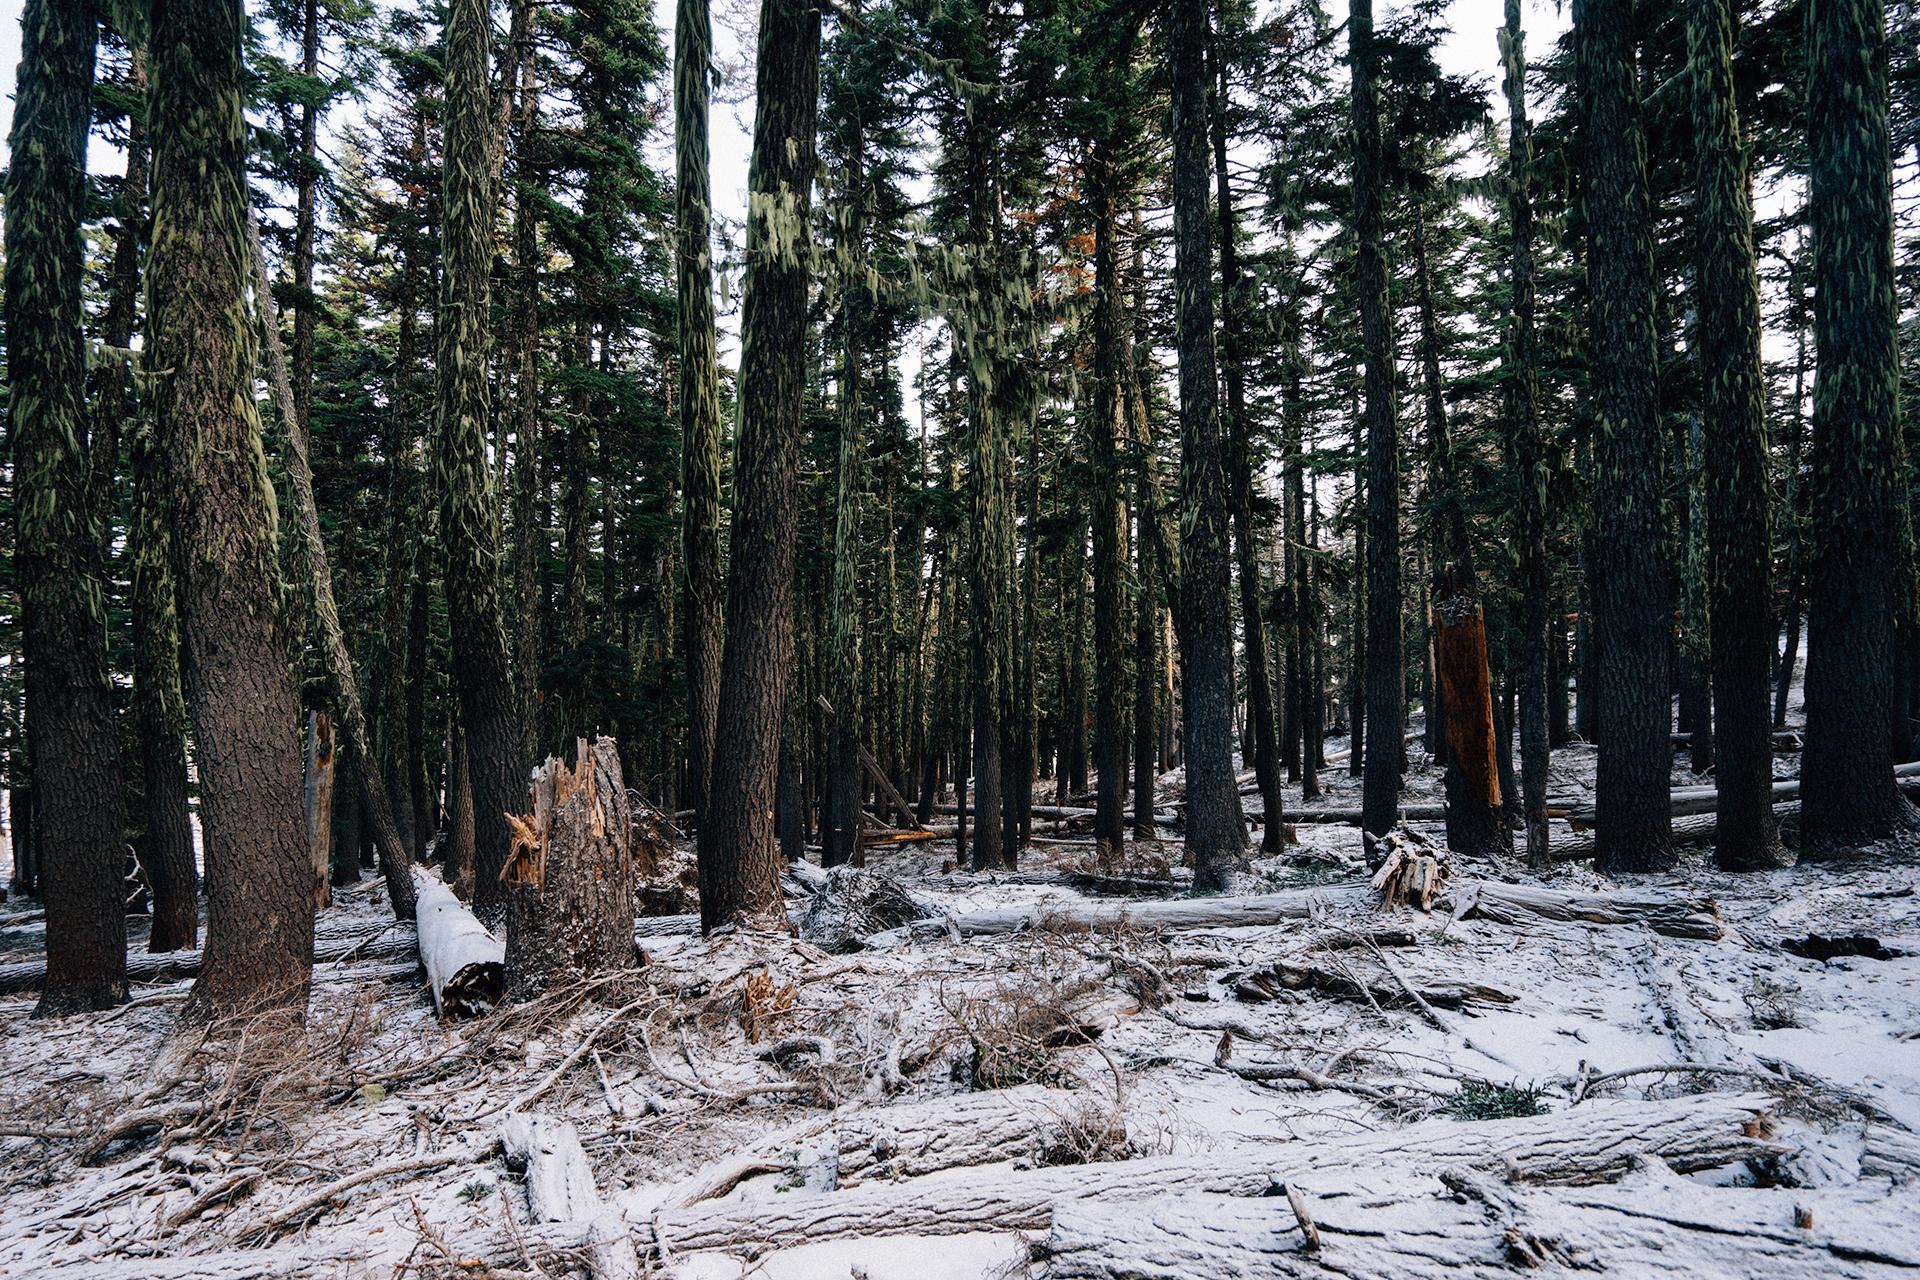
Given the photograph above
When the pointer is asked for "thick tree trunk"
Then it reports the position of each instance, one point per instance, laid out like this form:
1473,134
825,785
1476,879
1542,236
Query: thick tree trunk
1216,834
570,906
1732,405
739,861
1629,591
220,509
1111,740
459,857
78,822
469,527
840,838
1857,501
318,794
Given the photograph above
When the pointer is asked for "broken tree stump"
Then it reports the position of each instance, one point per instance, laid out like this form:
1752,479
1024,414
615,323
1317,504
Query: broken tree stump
570,909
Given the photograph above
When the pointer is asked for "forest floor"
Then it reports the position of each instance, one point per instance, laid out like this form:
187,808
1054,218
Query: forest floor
1335,1089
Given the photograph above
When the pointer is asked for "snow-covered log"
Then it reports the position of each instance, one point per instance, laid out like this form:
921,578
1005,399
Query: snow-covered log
1026,1124
560,1189
375,942
1428,1224
1665,913
1693,800
465,964
1591,1144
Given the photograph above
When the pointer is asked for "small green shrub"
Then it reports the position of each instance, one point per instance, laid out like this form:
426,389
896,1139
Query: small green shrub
1479,1101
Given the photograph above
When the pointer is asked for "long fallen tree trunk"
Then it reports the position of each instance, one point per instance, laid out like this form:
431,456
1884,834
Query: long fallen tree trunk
1666,913
378,943
1429,1223
560,1189
1694,800
465,964
1594,1143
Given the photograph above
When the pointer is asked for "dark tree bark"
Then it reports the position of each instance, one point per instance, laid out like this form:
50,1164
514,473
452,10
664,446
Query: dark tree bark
1380,796
1111,741
460,856
840,840
260,891
78,826
1629,591
529,537
1240,485
1528,448
699,388
739,860
1856,504
1732,405
343,686
469,525
1216,836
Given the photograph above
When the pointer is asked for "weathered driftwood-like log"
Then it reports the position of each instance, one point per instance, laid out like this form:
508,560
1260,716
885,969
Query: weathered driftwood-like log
1593,1144
465,964
1027,1123
1665,913
1426,1224
1383,989
560,1189
570,910
378,942
1409,869
1692,800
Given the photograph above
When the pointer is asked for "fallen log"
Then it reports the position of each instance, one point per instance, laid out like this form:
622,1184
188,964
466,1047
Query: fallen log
1351,817
1026,1124
1471,1226
1383,990
1594,1144
560,1189
1694,800
465,964
377,942
1664,913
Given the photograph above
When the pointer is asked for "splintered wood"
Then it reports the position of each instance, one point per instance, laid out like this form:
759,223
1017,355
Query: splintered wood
1410,871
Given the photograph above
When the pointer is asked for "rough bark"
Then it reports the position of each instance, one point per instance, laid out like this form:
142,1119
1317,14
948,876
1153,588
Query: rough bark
570,875
1111,740
1216,834
469,524
739,861
1629,591
343,686
1856,501
200,350
78,826
318,796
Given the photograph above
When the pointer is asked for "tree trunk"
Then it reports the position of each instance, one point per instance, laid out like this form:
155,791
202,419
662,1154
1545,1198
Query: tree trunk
570,876
460,855
1857,503
469,527
1543,704
78,821
1111,740
1240,468
1629,591
318,793
840,839
529,538
699,388
466,965
220,508
349,830
739,862
1732,405
1216,835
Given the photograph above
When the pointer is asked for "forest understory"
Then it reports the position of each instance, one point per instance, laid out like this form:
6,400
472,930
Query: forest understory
1068,1070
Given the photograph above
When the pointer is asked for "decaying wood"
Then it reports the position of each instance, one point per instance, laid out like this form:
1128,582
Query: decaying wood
1425,1224
1409,869
465,964
560,1189
1027,1123
1384,990
570,909
1666,913
1593,1144
1695,800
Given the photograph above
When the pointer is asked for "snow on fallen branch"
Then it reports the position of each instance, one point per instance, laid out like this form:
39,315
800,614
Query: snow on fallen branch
465,964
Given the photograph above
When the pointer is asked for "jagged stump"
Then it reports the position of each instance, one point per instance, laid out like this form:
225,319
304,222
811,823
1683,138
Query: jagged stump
570,875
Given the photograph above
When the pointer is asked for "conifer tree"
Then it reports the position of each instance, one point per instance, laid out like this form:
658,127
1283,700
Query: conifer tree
1856,500
1732,405
200,355
1629,594
77,816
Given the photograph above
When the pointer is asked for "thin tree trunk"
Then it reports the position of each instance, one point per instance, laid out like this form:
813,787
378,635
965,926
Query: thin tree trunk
739,862
840,839
1109,511
259,951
